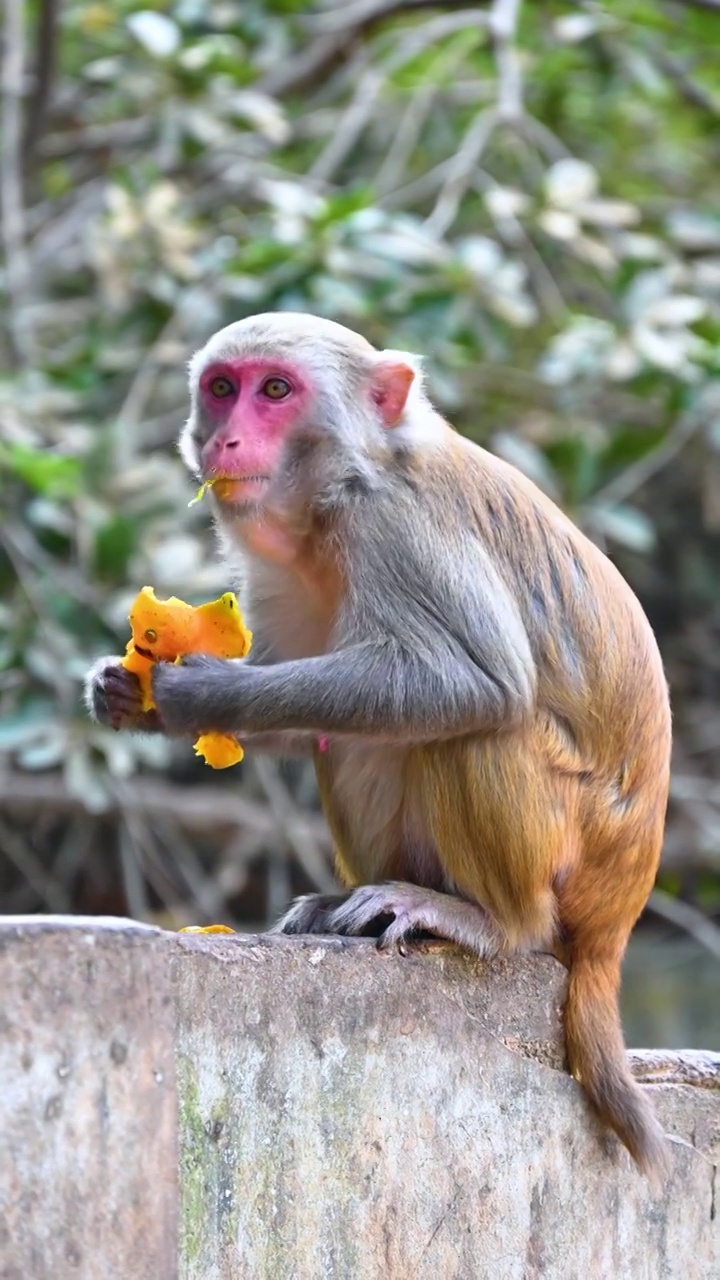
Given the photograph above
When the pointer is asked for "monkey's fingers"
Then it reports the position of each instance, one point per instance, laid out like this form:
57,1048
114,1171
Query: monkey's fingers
120,692
114,698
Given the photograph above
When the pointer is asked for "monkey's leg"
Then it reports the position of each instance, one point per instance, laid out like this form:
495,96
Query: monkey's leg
504,829
412,910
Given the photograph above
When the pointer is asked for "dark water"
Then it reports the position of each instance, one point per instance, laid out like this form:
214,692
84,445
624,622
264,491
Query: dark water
671,993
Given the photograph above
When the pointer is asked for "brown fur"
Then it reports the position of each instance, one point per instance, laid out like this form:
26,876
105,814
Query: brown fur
556,828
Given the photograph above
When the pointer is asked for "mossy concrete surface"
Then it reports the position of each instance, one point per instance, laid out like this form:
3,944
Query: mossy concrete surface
88,1102
226,1107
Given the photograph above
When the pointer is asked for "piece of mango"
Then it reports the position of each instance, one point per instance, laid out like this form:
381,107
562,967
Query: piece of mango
221,484
206,928
167,630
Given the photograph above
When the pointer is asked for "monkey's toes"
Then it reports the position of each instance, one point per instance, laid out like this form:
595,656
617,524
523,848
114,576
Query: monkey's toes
372,904
402,929
310,914
397,912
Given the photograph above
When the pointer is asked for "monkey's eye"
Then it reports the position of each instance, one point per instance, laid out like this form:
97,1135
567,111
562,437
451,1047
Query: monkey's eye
221,387
276,388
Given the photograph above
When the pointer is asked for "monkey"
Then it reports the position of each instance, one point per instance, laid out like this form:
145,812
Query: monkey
479,688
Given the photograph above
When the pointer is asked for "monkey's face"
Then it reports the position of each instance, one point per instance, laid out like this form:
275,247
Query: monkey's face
247,411
287,410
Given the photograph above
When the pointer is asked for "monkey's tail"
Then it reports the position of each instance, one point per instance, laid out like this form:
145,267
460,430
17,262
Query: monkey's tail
597,1060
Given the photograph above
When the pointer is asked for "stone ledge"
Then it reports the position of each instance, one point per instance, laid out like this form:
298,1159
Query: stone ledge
311,1108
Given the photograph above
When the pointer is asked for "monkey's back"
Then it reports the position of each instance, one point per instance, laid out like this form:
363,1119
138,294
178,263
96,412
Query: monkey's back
600,674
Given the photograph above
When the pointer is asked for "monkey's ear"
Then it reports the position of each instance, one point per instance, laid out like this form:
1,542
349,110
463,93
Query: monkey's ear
391,382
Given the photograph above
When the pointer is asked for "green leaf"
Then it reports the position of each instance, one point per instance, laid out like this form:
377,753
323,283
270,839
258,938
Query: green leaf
51,474
115,543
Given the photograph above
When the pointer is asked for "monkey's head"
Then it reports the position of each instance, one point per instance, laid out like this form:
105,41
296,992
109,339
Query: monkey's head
288,405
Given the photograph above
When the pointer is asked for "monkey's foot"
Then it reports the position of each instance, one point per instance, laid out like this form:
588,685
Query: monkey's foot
311,914
411,910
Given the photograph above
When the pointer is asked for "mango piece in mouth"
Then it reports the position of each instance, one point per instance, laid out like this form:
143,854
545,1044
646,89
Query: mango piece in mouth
221,484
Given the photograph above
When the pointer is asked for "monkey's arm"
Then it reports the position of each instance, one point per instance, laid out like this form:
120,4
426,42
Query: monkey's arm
113,698
430,644
430,687
374,689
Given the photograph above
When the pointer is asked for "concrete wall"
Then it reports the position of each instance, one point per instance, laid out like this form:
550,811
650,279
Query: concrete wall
223,1108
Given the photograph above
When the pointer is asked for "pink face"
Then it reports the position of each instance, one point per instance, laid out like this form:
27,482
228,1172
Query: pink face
250,406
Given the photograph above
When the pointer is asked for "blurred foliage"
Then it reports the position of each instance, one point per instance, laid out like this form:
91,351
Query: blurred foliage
526,194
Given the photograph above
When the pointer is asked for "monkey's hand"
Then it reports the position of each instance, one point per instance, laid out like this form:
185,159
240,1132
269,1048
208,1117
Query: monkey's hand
113,697
186,693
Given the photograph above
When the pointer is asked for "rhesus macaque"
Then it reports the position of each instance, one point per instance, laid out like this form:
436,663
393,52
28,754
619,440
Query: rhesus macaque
481,690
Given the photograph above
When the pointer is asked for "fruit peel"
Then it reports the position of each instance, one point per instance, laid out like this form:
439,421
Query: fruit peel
168,630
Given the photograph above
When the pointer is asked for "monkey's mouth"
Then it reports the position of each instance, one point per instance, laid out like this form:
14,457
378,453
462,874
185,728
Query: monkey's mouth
237,490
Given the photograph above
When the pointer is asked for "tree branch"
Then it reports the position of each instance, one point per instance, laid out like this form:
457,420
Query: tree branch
340,30
502,23
693,93
687,917
201,808
11,184
46,42
286,814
